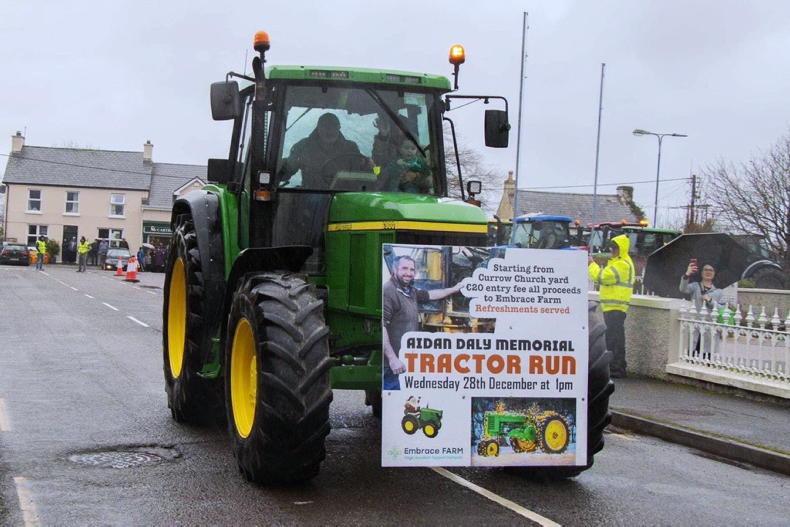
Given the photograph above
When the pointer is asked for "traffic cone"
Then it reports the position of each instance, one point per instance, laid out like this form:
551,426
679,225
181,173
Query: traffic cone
119,268
131,270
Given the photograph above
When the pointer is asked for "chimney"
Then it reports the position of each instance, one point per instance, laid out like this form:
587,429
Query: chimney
17,142
148,152
625,195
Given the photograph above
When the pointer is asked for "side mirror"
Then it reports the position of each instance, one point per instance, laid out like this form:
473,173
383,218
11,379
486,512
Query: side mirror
219,171
497,129
225,101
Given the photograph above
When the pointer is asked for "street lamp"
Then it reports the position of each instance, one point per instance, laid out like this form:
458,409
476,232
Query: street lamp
639,131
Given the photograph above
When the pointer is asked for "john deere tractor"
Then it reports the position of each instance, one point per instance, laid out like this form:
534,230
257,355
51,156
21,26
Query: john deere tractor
524,432
273,279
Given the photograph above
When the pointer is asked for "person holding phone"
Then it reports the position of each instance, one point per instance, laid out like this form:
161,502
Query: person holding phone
703,290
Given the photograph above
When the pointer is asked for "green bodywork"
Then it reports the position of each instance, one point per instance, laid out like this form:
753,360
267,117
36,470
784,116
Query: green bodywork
500,425
430,415
359,75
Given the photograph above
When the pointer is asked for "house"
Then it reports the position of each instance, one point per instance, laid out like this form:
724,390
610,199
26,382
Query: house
608,207
67,193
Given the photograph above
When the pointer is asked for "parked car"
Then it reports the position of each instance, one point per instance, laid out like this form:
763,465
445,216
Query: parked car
113,255
14,253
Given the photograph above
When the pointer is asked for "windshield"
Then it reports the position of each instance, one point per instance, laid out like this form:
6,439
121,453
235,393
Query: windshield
540,235
118,252
358,139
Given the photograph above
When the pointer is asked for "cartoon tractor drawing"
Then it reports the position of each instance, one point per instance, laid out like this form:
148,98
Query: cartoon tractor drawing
546,430
415,417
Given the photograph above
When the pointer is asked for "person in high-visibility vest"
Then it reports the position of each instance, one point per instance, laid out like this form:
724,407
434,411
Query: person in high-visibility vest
41,245
617,285
83,249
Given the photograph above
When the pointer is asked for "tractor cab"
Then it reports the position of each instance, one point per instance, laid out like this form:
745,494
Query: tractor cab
541,231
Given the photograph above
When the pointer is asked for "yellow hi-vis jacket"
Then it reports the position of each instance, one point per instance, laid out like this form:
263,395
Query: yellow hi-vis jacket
616,279
84,248
41,246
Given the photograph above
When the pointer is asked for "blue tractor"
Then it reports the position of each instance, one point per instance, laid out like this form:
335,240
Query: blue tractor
542,231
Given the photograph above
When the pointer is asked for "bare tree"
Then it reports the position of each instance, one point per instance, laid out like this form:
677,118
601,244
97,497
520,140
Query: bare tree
754,197
472,167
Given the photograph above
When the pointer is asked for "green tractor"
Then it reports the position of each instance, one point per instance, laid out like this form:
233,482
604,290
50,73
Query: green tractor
524,432
272,293
416,417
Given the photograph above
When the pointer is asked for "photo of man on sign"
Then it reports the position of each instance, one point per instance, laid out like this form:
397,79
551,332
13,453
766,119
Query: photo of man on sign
400,299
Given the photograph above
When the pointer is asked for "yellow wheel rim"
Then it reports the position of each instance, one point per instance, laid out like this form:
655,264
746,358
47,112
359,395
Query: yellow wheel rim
177,318
492,449
429,430
243,377
556,434
408,426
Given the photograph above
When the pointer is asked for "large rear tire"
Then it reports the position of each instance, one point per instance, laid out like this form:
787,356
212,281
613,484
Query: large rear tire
277,379
185,339
770,278
599,388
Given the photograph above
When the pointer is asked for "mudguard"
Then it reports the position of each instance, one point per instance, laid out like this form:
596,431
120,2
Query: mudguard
261,259
204,208
759,264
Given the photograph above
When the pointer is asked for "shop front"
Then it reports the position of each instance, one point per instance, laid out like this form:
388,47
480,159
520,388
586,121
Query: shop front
157,233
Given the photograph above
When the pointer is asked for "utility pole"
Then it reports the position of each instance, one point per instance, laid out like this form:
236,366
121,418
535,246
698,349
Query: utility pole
524,27
692,212
598,146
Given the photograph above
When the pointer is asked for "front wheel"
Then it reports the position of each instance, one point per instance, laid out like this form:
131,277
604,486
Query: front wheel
277,379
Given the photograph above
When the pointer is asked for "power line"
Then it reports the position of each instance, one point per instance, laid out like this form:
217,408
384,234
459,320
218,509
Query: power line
608,184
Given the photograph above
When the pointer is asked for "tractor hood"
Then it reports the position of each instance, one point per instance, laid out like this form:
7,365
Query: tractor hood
354,207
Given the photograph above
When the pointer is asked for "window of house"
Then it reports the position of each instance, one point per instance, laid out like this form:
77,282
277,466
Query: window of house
72,202
33,200
33,232
117,202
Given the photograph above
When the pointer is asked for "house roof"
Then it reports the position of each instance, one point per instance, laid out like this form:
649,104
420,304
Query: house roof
167,178
577,206
78,167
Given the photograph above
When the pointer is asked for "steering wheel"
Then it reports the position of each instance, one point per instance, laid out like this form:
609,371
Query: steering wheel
327,164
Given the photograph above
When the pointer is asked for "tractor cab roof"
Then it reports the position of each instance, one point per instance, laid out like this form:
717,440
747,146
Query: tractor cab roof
361,75
529,218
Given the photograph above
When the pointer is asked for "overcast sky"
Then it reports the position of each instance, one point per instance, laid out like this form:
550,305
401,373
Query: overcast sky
113,74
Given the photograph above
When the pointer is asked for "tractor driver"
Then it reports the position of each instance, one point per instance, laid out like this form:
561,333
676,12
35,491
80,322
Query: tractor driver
322,154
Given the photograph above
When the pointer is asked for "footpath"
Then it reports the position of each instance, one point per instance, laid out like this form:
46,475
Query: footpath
728,426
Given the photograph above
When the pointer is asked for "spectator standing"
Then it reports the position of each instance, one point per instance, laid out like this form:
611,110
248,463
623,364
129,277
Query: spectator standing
617,285
140,259
41,247
103,246
93,254
83,249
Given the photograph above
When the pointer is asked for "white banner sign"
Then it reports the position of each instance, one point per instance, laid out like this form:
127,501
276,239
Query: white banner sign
484,359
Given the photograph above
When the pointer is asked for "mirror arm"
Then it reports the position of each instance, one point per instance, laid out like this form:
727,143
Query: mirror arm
457,158
485,99
231,74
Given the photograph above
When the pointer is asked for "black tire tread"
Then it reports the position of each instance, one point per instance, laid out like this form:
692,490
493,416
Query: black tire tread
191,398
286,444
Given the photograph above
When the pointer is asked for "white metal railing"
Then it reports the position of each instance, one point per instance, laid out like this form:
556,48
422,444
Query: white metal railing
724,339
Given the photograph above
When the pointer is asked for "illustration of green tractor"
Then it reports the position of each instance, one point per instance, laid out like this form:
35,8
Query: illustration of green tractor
524,432
416,417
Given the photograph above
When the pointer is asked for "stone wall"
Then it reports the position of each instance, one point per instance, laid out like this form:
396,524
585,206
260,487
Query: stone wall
770,298
651,335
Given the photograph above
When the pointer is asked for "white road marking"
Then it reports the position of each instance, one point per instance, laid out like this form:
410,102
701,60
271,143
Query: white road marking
111,307
150,292
62,282
130,317
44,273
515,507
26,504
5,422
74,288
89,296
